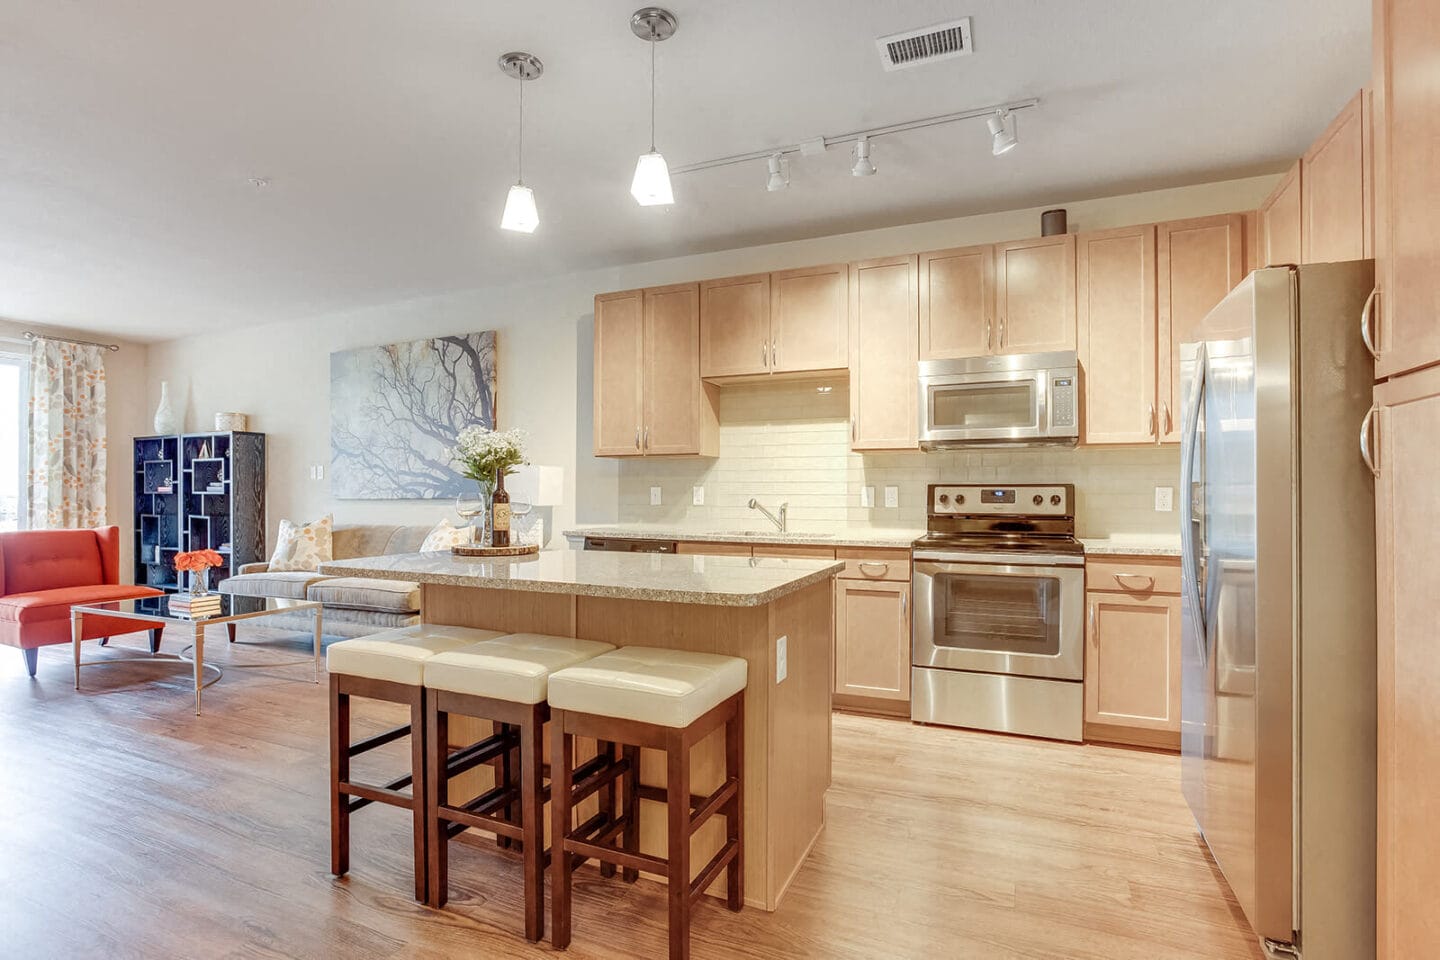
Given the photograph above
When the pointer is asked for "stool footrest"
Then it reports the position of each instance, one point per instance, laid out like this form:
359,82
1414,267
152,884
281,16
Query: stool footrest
594,774
621,858
478,753
712,869
477,813
369,793
379,740
712,804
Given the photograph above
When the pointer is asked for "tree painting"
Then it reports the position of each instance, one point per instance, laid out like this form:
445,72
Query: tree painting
395,412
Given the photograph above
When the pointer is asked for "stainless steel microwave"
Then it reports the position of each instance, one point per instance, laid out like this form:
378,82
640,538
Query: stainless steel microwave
1016,400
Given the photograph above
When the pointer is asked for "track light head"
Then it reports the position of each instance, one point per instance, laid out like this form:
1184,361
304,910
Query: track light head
861,154
779,177
1002,132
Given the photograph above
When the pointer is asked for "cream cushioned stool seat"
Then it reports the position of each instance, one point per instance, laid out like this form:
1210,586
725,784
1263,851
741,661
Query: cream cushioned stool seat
670,688
515,667
399,656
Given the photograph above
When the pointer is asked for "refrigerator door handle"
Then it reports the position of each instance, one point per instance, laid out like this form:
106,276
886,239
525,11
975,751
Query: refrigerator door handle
1366,432
1190,416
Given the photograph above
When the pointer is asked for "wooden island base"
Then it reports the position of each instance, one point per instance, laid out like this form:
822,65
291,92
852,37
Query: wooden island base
787,722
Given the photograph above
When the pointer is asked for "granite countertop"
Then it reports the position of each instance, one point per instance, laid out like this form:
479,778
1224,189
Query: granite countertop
664,578
851,537
1133,545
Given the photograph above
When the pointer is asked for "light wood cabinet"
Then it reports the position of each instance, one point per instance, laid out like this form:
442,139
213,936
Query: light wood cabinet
1334,182
809,319
1281,222
1407,501
1035,295
1197,263
649,399
713,549
884,379
1132,650
1116,325
872,639
735,326
1406,100
957,303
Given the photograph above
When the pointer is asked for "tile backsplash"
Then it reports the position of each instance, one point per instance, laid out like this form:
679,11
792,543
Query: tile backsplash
789,441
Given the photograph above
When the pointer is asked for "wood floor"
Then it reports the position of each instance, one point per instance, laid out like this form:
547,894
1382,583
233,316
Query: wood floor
132,828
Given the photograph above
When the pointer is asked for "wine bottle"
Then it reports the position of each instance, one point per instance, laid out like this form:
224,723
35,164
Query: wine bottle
500,514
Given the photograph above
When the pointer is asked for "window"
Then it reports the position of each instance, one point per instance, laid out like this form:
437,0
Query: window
14,439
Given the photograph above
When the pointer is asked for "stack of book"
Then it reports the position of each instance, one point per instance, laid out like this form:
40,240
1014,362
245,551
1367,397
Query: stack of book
189,605
217,487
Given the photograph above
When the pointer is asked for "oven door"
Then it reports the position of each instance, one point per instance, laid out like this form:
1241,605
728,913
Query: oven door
999,405
1005,618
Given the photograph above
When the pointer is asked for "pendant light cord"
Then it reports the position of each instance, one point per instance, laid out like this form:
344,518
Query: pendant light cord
520,139
652,89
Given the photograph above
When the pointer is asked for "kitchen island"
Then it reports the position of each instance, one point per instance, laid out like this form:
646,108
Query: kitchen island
776,614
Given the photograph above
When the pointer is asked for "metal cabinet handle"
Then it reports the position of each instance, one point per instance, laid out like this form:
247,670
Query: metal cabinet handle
647,438
1149,581
1169,423
1152,420
852,429
1002,333
989,339
865,566
774,354
904,602
1094,630
764,355
637,438
1365,433
1366,314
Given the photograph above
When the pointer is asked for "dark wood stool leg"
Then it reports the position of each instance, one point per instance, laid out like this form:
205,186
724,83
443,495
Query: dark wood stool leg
230,629
562,756
605,748
418,789
506,767
155,638
532,825
339,773
437,795
630,839
735,810
677,789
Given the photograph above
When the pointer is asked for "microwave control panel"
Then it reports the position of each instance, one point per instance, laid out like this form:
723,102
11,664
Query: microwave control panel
1062,401
1046,500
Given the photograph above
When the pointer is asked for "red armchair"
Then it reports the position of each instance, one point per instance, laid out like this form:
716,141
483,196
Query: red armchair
43,572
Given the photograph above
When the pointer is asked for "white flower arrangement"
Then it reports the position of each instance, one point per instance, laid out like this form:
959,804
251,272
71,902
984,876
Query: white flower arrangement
483,454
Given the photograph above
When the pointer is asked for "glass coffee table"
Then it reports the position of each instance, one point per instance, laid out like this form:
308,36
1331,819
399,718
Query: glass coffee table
154,612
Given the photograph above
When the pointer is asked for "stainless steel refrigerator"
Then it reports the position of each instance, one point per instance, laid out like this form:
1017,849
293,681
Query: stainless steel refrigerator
1278,592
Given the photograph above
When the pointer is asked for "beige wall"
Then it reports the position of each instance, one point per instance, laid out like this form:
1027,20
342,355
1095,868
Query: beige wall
279,372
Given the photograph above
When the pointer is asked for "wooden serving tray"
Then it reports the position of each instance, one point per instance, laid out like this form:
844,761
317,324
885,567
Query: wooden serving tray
476,550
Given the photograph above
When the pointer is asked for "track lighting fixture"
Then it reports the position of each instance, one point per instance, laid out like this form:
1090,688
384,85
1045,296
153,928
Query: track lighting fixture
1002,132
520,214
779,173
861,154
651,184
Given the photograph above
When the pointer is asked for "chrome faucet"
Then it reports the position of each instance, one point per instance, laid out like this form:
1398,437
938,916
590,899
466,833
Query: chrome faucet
779,520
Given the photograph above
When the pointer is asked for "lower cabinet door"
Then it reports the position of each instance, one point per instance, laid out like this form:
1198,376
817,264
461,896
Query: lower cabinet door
1132,661
872,639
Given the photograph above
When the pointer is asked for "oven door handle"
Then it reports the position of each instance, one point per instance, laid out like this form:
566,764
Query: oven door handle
947,561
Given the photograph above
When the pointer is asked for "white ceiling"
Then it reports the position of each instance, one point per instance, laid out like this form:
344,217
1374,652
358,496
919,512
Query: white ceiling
128,129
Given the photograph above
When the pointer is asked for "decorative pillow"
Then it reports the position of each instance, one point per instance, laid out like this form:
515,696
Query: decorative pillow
445,535
303,546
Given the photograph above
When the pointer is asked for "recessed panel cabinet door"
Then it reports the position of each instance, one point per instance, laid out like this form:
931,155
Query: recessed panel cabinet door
957,303
674,394
1197,263
872,639
809,319
1281,238
619,373
735,326
1132,661
1035,295
884,378
1334,184
1116,324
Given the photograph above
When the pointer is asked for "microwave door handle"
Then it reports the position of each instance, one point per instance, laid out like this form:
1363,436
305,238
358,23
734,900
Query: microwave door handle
1190,423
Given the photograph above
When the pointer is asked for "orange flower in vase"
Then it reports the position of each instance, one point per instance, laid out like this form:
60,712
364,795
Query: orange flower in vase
198,564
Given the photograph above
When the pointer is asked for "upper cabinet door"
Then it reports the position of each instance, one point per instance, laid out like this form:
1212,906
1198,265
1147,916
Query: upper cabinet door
735,326
957,303
1115,285
1334,182
1035,295
809,319
619,373
1406,37
1197,263
1281,235
884,379
679,419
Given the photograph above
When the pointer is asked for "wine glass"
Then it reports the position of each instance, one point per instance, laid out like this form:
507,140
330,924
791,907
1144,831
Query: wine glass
471,510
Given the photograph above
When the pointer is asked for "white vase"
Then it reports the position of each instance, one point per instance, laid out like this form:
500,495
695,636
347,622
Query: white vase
165,420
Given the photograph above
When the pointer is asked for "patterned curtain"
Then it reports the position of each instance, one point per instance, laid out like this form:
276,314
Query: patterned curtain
67,435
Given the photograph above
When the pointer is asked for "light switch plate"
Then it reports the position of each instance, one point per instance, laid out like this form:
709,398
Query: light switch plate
867,496
319,471
697,496
1164,499
782,659
655,496
312,471
892,496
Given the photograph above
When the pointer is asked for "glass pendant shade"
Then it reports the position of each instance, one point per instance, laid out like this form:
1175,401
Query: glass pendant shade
520,214
651,185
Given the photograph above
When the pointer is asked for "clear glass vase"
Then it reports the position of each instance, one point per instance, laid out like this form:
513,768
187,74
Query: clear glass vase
199,582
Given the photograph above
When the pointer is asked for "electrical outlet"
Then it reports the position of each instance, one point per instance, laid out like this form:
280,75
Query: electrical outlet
655,496
782,659
697,496
867,496
1164,499
892,496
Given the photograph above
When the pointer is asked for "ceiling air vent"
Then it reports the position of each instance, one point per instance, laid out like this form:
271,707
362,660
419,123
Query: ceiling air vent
926,45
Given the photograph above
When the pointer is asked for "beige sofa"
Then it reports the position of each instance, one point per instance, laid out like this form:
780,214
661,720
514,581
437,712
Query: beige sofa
353,606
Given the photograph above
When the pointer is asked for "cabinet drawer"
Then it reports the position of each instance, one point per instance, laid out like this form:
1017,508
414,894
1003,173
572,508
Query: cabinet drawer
1143,575
713,549
794,550
874,564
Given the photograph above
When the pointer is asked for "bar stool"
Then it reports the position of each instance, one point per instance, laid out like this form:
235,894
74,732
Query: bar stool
505,681
664,700
384,666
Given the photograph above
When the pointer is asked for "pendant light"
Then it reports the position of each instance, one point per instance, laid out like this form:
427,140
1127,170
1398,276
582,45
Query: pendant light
779,177
863,166
1002,132
520,213
651,184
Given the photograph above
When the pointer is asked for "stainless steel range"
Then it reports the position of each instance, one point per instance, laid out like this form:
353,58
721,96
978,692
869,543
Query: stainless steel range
998,629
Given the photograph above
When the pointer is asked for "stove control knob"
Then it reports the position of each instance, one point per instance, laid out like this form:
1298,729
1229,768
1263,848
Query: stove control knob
944,498
1055,499
959,499
1038,500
